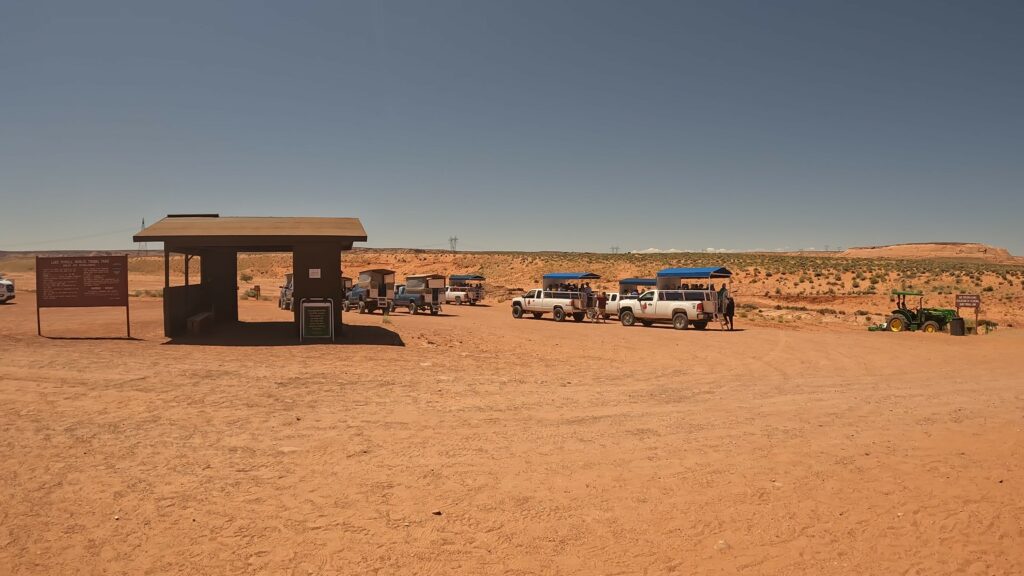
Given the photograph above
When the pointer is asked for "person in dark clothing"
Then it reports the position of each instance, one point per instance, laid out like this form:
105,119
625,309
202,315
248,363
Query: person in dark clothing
730,310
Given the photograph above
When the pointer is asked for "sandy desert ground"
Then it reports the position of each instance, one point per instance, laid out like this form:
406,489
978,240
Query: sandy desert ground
472,443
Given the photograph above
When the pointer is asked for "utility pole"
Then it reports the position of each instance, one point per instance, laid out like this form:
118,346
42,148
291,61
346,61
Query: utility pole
615,249
453,242
142,247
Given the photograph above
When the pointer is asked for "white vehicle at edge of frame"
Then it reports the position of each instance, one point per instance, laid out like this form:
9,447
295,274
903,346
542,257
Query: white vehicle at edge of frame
559,303
681,308
6,291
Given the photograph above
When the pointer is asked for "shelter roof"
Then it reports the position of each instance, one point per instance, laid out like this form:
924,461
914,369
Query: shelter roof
250,231
466,277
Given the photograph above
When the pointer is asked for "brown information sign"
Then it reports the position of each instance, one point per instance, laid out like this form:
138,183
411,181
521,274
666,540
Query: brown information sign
968,301
81,281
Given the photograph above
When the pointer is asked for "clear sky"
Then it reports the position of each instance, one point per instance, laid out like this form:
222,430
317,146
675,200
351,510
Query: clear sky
518,125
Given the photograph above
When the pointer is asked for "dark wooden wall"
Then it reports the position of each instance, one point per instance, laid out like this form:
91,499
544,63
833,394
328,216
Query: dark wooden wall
326,258
219,271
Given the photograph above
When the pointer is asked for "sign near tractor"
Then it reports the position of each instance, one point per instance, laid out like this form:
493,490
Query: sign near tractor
968,301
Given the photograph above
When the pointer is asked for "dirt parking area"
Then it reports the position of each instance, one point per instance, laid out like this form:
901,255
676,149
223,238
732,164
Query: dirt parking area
472,443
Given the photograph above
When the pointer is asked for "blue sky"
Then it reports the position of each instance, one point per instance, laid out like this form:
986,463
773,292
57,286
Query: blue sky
518,125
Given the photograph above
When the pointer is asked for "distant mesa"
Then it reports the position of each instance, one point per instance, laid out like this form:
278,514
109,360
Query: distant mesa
932,250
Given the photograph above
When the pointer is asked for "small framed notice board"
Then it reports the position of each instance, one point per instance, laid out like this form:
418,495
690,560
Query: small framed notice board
316,319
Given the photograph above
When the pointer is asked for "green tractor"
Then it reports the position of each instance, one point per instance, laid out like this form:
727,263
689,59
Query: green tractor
904,318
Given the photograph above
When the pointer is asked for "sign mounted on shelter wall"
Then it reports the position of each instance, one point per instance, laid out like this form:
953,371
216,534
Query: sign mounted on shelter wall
314,272
316,320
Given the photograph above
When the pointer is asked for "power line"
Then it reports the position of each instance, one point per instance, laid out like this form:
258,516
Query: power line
70,238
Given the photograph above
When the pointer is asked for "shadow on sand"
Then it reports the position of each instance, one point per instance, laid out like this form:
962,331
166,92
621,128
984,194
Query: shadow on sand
127,338
285,334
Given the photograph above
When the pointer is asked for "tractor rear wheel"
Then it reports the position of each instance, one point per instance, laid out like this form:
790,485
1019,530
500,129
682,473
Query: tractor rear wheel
930,327
896,324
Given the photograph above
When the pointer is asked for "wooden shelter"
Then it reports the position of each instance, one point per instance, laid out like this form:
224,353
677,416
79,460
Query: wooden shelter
315,243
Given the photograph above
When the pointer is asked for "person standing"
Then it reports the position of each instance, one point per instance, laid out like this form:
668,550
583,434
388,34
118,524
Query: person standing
730,310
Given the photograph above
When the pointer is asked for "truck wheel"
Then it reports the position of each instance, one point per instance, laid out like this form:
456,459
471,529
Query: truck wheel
579,316
559,314
362,307
700,325
627,318
538,315
517,312
680,321
896,324
930,327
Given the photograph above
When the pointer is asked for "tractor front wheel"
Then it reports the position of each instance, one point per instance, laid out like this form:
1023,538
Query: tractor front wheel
930,327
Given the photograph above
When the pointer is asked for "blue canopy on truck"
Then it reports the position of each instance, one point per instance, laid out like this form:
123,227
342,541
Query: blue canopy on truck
695,273
466,278
571,276
638,282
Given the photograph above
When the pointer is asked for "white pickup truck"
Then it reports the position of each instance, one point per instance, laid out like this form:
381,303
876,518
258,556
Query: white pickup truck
683,308
463,295
559,304
6,291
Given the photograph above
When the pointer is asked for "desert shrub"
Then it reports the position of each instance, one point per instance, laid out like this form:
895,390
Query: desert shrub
862,313
246,277
989,289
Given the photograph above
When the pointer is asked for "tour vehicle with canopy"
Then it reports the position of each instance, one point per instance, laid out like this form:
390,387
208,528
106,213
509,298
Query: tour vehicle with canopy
563,294
464,289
